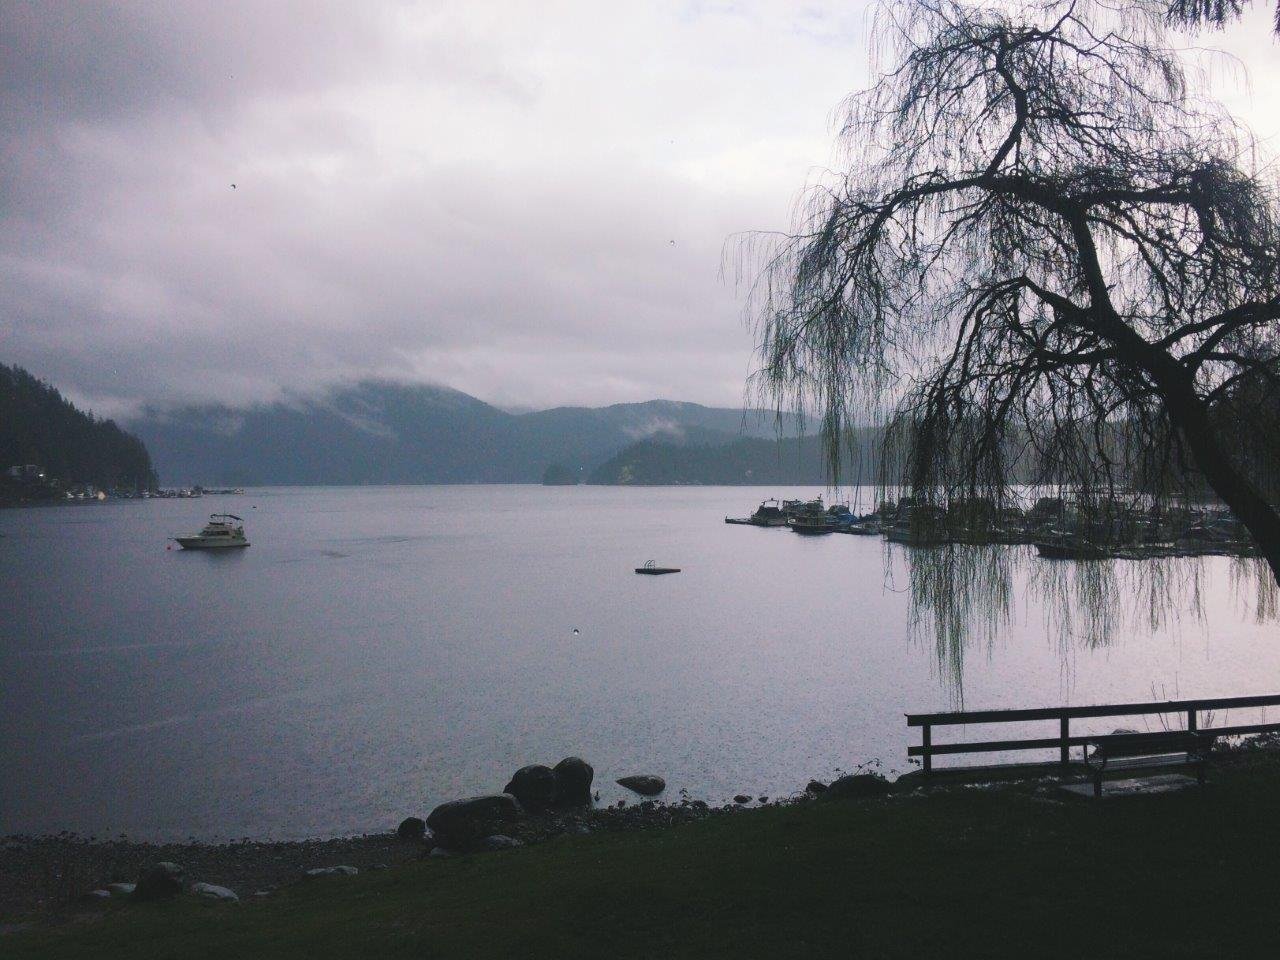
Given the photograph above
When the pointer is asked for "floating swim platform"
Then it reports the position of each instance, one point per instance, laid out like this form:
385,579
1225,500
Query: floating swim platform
654,570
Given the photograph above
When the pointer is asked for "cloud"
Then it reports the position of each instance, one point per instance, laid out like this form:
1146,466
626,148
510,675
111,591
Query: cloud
527,202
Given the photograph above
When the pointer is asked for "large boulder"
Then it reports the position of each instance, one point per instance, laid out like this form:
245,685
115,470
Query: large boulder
159,881
211,891
320,873
573,782
535,786
856,786
646,785
411,828
460,822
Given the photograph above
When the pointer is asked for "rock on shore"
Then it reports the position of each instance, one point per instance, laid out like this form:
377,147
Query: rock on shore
211,891
535,786
647,785
539,788
411,828
460,822
159,881
573,777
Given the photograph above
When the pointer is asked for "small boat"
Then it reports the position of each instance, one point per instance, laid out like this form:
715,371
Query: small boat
1060,545
811,524
811,518
769,514
861,529
653,570
222,531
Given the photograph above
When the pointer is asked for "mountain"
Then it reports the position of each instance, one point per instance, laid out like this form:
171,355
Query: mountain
41,428
381,432
749,460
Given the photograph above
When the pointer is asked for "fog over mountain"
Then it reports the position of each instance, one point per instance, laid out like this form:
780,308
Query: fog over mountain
536,203
385,432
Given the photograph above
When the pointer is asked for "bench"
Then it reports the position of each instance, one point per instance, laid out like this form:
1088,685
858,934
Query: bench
1128,752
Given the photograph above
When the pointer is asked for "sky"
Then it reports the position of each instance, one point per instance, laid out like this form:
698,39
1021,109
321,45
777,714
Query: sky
530,202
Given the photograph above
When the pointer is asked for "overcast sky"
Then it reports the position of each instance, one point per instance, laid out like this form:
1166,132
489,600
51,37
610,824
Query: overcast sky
525,201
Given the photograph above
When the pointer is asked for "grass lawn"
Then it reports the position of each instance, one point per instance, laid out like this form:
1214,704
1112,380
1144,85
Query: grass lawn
958,874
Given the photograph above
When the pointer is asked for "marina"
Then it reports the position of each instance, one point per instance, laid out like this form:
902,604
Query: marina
1057,527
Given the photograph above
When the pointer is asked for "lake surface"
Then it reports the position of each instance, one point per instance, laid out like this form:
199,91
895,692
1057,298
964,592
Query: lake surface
379,650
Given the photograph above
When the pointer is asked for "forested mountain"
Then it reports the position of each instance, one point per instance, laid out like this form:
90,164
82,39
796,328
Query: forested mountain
381,432
749,460
38,426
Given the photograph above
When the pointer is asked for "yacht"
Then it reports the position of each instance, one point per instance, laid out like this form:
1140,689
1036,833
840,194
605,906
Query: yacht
769,514
222,531
811,518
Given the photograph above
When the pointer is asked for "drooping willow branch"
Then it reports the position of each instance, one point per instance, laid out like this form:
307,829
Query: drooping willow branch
1046,261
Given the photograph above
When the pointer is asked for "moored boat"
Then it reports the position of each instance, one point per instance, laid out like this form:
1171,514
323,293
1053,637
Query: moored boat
811,518
769,514
1059,545
222,531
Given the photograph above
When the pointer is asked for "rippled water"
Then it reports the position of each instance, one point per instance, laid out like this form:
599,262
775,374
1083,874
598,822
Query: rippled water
379,650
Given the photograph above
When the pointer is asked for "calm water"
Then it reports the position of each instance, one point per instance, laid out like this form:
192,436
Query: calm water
379,650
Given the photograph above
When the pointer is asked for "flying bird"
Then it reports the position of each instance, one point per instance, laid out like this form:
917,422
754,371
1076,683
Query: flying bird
577,632
233,186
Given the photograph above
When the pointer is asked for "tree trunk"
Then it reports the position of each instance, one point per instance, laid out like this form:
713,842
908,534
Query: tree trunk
1228,481
1187,411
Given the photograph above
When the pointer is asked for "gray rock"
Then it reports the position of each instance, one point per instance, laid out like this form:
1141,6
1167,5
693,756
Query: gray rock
535,786
122,889
379,866
816,787
646,785
458,822
573,782
411,828
498,841
855,786
317,873
742,798
159,881
211,891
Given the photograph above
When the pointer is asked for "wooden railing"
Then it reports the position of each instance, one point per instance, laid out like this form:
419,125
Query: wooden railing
1064,741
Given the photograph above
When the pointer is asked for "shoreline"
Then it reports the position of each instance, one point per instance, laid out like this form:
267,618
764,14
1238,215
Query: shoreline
42,876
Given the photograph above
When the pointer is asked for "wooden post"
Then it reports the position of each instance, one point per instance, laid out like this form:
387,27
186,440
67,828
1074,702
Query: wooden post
927,741
1191,721
1064,730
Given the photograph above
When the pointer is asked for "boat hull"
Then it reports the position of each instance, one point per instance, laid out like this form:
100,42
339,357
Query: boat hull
209,543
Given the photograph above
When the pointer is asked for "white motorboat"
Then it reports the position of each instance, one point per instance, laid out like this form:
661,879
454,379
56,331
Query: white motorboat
222,531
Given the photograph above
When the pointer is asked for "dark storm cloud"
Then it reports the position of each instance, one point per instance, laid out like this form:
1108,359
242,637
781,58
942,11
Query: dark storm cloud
528,202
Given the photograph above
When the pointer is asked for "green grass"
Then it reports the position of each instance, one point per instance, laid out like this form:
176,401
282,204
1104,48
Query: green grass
961,874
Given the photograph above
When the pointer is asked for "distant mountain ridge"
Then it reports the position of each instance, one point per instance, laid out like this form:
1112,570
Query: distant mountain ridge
383,432
747,460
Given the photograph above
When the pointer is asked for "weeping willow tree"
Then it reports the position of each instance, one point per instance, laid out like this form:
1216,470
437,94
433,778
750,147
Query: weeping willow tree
1210,13
1046,259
